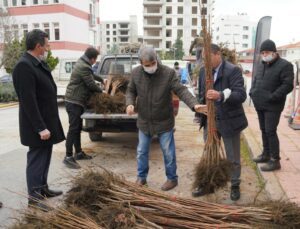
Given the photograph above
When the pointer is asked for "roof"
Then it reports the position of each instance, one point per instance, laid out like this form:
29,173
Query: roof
289,46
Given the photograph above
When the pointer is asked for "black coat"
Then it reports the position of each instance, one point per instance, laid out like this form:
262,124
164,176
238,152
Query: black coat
230,115
38,108
271,84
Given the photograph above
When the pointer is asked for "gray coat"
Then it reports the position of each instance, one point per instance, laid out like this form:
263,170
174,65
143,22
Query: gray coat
154,98
82,83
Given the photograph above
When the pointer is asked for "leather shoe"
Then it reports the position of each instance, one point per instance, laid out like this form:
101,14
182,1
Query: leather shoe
82,156
37,204
235,193
169,184
141,182
202,191
48,193
272,164
262,158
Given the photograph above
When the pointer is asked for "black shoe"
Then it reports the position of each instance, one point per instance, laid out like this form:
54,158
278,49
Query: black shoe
71,163
1,204
37,204
263,158
202,191
82,156
272,164
46,192
235,193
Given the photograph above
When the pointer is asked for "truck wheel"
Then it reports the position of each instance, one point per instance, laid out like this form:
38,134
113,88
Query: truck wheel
95,136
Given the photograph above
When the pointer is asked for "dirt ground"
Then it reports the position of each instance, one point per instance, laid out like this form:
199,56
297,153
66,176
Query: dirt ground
117,153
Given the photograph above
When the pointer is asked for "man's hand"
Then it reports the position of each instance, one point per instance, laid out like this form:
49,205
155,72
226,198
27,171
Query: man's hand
201,108
213,95
45,134
130,110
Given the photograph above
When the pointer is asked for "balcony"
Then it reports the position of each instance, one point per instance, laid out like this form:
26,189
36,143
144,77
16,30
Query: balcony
152,26
153,14
152,38
153,2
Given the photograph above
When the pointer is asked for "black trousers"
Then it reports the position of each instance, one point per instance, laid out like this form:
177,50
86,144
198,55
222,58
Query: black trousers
75,127
268,122
38,162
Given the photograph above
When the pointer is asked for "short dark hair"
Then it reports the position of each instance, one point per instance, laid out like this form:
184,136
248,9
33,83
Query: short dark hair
35,37
214,48
176,63
91,53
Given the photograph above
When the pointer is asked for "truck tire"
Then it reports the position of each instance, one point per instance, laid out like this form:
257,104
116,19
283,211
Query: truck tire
95,136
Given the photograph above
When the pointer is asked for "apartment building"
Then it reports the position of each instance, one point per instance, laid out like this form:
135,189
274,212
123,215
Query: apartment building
118,33
237,31
165,20
72,25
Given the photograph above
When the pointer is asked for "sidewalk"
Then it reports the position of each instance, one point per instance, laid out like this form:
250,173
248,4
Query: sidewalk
283,183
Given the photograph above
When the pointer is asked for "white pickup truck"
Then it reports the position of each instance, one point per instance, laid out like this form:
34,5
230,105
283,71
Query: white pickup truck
96,124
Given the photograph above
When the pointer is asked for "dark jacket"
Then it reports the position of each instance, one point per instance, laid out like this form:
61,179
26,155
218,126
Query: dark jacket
230,115
82,83
154,94
38,108
271,84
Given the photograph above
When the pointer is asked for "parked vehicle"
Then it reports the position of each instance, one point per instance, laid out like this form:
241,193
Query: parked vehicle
6,79
96,124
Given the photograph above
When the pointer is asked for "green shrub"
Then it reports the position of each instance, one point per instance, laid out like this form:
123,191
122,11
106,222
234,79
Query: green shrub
7,93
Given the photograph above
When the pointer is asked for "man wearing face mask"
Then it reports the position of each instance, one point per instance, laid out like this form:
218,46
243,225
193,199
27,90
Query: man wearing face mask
82,84
152,85
40,126
272,82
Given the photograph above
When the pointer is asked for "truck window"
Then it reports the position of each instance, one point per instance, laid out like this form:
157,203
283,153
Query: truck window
121,66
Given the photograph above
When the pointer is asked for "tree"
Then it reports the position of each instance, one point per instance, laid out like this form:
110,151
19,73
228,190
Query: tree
178,46
51,61
114,49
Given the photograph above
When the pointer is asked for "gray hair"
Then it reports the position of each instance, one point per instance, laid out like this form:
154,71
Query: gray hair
147,54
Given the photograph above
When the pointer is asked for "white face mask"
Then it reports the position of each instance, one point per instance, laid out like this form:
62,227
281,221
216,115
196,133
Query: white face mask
268,58
151,69
44,57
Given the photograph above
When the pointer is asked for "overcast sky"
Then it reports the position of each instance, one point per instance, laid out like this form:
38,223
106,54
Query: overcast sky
285,14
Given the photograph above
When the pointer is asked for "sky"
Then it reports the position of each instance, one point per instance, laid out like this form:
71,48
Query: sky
285,14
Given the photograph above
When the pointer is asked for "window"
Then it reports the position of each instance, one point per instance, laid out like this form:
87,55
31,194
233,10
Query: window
55,1
123,32
114,39
114,26
245,45
14,2
5,3
180,10
204,1
36,25
180,0
169,10
107,39
203,11
25,29
245,27
245,36
169,21
168,44
123,26
35,2
92,15
23,3
194,21
124,39
107,33
169,33
179,21
47,29
56,31
45,1
107,26
179,33
194,10
194,32
169,0
194,0
114,33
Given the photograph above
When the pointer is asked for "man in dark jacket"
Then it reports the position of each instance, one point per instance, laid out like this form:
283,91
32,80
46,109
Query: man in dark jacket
81,86
229,94
272,82
40,126
152,85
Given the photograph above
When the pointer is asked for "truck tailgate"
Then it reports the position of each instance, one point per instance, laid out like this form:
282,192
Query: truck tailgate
92,115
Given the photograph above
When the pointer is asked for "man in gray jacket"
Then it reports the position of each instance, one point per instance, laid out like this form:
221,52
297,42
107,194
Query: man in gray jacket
81,86
152,85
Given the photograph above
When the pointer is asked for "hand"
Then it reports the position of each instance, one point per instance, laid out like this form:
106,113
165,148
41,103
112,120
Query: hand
130,110
213,95
45,134
201,108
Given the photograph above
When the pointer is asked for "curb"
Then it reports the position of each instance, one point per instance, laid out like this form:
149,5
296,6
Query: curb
272,185
6,105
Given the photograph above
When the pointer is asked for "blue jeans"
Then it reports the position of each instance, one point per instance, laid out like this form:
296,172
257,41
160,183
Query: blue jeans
167,145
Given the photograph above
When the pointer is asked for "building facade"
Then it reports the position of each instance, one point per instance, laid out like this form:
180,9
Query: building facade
165,20
118,33
72,25
237,32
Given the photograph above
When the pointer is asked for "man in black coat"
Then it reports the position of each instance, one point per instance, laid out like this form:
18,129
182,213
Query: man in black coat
40,126
229,94
272,82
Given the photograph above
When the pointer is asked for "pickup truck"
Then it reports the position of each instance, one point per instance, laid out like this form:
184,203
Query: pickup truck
96,124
